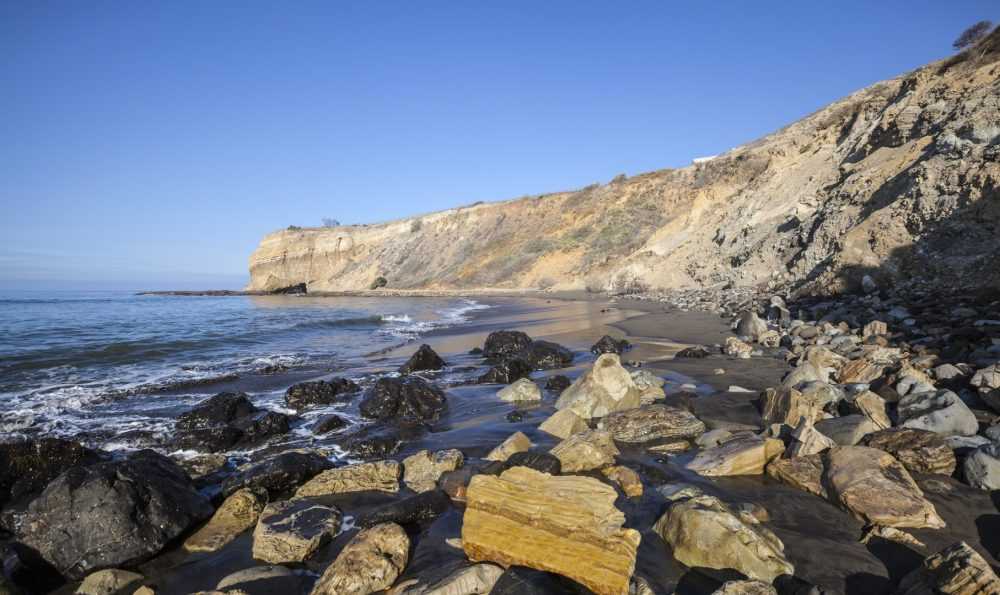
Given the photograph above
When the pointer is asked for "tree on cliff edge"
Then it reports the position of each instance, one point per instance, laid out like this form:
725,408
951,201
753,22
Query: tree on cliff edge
972,35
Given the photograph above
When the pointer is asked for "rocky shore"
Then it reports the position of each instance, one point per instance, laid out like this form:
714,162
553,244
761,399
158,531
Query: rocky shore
866,463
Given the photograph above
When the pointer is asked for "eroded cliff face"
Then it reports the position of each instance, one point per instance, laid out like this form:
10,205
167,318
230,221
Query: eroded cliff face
899,180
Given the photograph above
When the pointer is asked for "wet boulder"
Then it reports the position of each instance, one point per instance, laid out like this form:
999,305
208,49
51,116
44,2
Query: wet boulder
238,513
557,383
211,439
329,423
370,562
278,475
502,345
112,514
373,442
545,355
407,399
422,470
377,476
320,392
27,466
507,372
262,426
521,580
608,344
292,530
415,509
539,461
222,409
423,359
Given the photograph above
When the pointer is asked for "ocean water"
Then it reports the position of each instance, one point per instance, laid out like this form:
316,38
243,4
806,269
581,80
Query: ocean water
112,362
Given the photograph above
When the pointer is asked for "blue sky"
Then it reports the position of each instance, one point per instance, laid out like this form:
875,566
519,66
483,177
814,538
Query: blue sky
152,144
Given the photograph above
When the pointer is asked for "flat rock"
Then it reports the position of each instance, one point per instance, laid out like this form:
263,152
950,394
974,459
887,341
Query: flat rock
566,524
415,509
520,390
563,424
705,533
370,562
803,472
920,451
238,513
860,371
516,442
652,422
605,388
807,440
877,489
422,470
847,430
278,475
378,476
786,405
585,451
292,530
941,411
742,454
320,392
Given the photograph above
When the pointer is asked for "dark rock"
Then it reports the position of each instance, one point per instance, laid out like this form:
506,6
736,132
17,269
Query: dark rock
378,283
328,423
112,514
539,461
373,443
27,466
476,351
415,509
27,570
212,438
520,580
424,359
608,344
696,351
501,345
278,475
320,392
223,408
515,416
558,383
260,427
506,372
297,289
405,399
545,355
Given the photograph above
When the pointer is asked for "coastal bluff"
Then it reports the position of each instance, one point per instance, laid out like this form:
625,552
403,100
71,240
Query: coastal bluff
899,178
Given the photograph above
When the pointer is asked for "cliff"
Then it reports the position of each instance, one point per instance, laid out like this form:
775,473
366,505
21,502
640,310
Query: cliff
898,180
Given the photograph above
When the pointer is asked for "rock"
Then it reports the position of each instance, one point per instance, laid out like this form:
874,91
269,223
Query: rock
415,509
278,475
222,409
874,408
516,442
112,581
501,345
736,348
769,339
321,392
605,388
920,451
847,430
785,405
585,451
875,328
982,467
608,344
742,454
750,325
545,355
946,372
566,524
423,359
202,465
807,440
260,427
370,562
860,371
469,580
237,514
563,424
27,466
408,399
422,470
868,284
539,461
374,442
650,386
112,514
956,570
507,371
803,472
378,476
712,438
649,423
211,439
521,390
694,352
987,378
329,423
520,580
262,579
627,479
705,533
750,587
557,383
292,530
941,411
877,489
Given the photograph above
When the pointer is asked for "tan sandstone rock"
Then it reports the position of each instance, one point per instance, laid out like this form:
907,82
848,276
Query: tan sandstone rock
802,472
627,479
370,562
563,424
741,454
786,405
238,513
860,370
745,588
585,451
292,530
516,442
520,391
920,451
807,440
651,423
422,470
111,581
873,407
956,570
378,476
563,524
605,388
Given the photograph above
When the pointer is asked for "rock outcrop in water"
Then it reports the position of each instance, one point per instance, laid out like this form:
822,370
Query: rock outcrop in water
897,179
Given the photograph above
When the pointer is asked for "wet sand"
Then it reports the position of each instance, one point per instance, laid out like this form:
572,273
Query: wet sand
820,539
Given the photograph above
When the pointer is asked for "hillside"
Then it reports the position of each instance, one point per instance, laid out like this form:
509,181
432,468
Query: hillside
899,180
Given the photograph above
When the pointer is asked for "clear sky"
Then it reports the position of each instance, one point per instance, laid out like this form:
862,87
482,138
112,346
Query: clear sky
152,144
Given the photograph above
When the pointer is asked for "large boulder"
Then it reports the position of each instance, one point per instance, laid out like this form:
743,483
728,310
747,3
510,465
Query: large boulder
650,423
422,470
408,399
605,388
741,454
920,451
546,355
423,359
370,562
608,344
292,530
27,466
424,506
378,476
941,411
507,371
982,467
238,513
112,514
876,488
705,533
320,392
278,475
565,524
502,345
221,409
227,420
